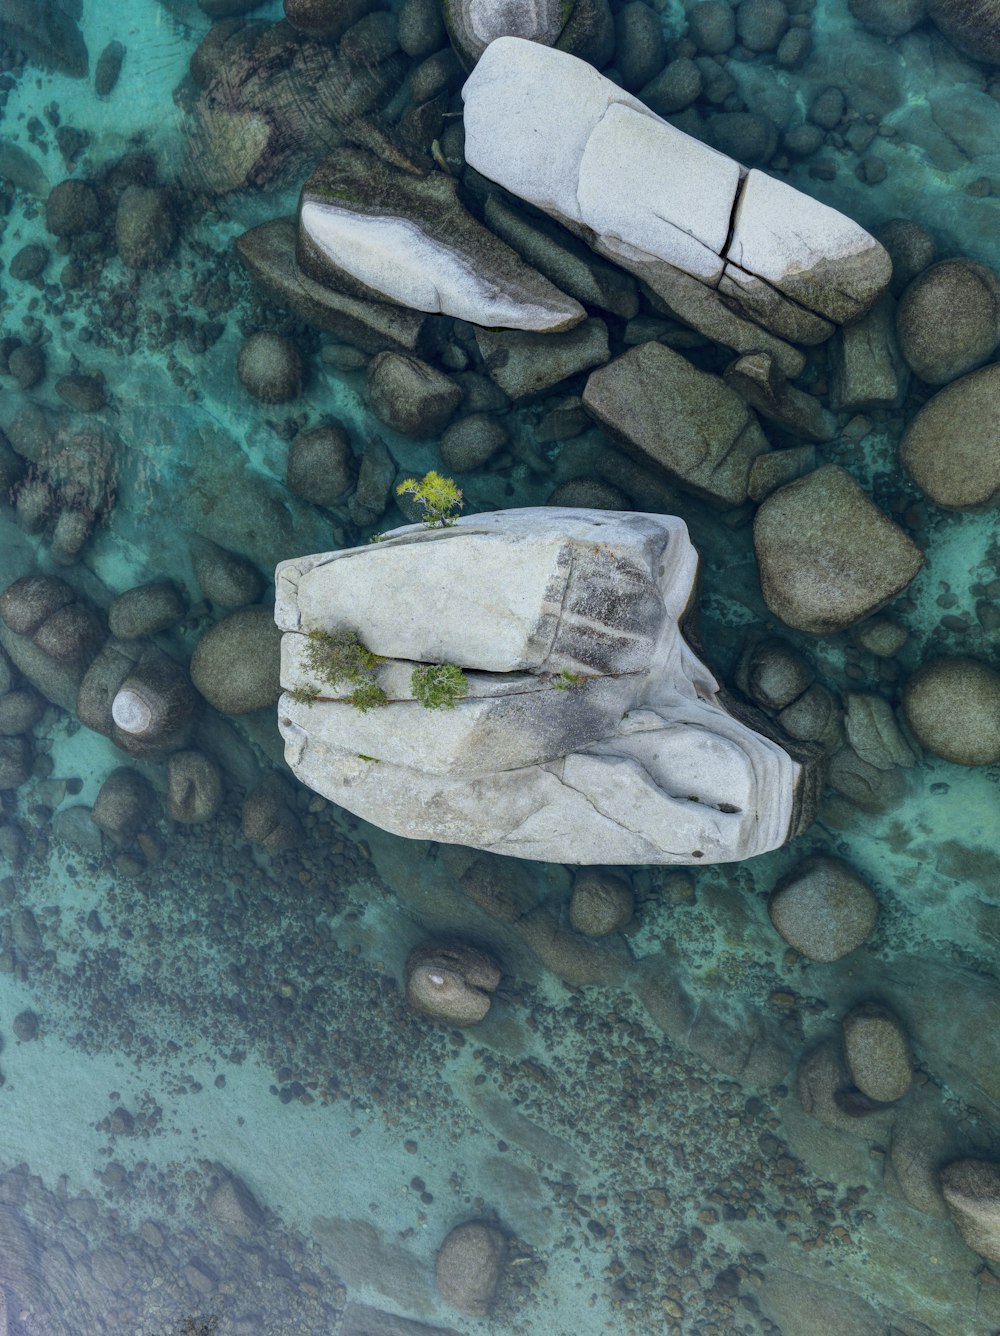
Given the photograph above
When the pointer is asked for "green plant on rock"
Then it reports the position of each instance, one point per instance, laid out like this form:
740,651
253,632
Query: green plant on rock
438,497
565,680
338,658
438,685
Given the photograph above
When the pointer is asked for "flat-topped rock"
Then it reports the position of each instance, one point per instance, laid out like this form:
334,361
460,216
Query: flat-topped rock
584,27
589,731
551,129
408,239
690,423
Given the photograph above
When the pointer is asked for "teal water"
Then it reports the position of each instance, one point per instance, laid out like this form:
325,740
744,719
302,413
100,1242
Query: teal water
209,1007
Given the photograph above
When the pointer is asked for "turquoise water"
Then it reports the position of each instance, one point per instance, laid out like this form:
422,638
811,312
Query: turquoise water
210,1008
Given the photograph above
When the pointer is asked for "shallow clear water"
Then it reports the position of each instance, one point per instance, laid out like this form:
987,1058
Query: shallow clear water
208,1008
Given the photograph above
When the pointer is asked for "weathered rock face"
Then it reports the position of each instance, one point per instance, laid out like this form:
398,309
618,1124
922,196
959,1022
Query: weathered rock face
409,239
827,555
972,1194
590,732
551,129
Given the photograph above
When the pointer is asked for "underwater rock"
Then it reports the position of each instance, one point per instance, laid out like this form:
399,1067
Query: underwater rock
583,27
472,441
270,368
268,816
108,69
321,466
588,494
882,637
47,34
28,262
866,367
759,381
27,365
640,48
236,663
948,320
16,757
194,787
50,635
451,982
410,396
84,394
409,239
601,903
550,129
421,29
827,1094
327,19
973,26
951,449
20,711
235,1207
712,26
123,804
469,1265
145,226
972,1194
687,422
145,610
590,732
373,494
953,708
226,579
823,909
877,1053
25,1026
873,732
888,18
71,208
268,252
525,365
920,1144
773,674
154,706
827,556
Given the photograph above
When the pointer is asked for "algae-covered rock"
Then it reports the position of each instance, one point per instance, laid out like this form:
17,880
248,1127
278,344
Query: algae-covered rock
409,239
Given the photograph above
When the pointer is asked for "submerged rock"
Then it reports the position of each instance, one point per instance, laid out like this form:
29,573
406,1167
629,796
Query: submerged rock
689,423
270,368
469,1265
450,982
953,708
588,733
878,1054
973,25
948,321
409,239
552,130
601,903
823,909
410,396
951,449
235,664
972,1194
827,555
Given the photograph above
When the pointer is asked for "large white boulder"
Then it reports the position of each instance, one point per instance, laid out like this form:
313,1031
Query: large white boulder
549,128
638,762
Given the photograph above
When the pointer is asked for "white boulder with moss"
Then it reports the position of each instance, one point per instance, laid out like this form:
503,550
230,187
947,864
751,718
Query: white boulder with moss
588,732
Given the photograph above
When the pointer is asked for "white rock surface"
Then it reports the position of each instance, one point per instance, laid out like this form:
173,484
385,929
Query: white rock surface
551,129
639,763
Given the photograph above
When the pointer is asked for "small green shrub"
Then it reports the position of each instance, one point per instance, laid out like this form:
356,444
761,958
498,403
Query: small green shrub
339,656
304,695
438,685
565,680
367,696
438,497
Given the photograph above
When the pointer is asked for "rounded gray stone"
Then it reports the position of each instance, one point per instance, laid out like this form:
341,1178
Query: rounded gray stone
953,708
878,1054
236,663
469,1265
823,909
948,320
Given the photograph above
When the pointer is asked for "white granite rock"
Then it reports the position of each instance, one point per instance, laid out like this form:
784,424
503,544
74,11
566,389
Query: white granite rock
637,763
551,129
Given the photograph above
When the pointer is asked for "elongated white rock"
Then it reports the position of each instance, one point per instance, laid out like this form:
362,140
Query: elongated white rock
551,129
637,763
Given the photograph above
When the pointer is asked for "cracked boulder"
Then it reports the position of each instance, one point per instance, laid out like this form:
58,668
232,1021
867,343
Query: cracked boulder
552,130
589,732
408,239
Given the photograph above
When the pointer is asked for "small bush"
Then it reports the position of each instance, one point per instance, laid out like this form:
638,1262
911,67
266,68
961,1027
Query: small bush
438,497
339,656
438,685
367,696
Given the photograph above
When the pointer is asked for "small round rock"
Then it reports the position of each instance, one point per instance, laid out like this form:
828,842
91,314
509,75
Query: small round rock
951,449
451,982
270,368
236,663
878,1053
948,319
601,903
953,709
823,909
469,1265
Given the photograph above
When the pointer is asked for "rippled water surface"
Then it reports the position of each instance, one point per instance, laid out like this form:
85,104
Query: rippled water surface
217,1112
